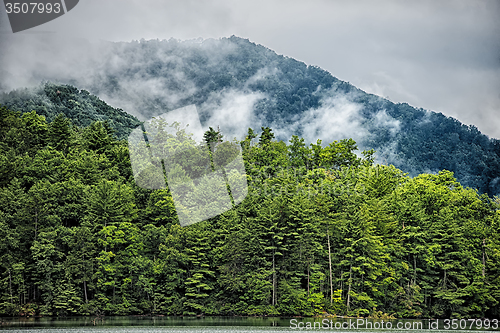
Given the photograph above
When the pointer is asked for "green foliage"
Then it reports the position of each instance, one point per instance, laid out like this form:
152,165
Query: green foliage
80,238
54,100
60,132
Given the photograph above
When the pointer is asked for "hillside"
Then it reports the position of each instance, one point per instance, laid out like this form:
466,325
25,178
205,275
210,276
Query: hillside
237,84
81,107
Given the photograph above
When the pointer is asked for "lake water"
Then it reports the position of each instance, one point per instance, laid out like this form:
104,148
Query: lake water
227,325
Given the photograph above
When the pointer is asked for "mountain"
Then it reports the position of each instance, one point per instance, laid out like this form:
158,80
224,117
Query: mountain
237,84
312,230
80,106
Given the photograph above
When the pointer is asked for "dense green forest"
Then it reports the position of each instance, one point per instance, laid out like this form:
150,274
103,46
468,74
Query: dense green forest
80,106
148,78
321,229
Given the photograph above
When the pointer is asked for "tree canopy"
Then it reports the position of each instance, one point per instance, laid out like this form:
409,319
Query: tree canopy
321,229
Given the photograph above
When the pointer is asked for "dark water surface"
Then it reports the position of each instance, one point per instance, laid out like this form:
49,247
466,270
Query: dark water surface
132,324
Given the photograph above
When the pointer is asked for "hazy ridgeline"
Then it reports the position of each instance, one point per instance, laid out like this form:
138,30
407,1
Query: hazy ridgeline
236,84
79,237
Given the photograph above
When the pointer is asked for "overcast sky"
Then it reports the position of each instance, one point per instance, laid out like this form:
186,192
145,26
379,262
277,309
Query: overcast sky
439,55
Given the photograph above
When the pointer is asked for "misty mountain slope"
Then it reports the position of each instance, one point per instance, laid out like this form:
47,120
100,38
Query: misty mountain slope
79,105
237,84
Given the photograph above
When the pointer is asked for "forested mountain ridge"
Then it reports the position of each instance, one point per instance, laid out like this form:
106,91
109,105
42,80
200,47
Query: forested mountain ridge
238,84
80,238
80,106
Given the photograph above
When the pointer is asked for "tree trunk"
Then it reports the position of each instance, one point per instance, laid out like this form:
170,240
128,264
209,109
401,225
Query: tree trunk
414,270
10,287
341,281
484,262
85,283
85,291
24,292
330,266
307,277
349,289
274,282
36,222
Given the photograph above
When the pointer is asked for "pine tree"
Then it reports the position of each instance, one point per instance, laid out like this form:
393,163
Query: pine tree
60,133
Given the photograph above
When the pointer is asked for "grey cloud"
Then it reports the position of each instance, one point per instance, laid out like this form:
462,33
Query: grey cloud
443,56
233,111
